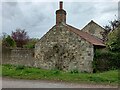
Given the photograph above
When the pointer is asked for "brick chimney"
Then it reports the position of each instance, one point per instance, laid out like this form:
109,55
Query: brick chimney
60,14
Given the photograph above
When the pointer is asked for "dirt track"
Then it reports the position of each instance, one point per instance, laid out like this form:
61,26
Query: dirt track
19,83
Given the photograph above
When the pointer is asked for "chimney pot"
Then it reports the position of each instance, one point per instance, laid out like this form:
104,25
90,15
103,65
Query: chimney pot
61,5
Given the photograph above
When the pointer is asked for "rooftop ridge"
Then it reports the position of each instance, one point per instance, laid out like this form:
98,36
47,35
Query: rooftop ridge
92,21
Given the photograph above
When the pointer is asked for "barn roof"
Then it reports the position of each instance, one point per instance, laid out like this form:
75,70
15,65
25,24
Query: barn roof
92,39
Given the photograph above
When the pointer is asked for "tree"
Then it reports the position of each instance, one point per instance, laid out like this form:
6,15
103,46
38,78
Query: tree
109,28
8,41
118,39
20,37
114,40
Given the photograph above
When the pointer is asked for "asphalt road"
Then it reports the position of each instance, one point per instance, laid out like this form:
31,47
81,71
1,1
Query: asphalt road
19,83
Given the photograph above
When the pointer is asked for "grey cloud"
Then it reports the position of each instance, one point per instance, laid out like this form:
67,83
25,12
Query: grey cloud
10,9
11,3
80,13
112,8
108,10
38,17
82,7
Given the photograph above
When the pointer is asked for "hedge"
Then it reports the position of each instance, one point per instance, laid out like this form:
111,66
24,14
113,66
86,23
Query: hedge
106,60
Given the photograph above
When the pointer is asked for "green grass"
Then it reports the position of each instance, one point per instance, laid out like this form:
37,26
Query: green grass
22,72
0,70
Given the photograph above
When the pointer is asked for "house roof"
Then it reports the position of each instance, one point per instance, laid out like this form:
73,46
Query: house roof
92,39
93,23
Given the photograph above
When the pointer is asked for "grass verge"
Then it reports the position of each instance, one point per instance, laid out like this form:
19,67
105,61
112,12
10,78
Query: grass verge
22,72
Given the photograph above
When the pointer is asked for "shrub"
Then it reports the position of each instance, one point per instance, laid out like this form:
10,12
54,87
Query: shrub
106,60
31,43
8,42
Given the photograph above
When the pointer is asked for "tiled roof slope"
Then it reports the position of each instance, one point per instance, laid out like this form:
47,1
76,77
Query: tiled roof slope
92,39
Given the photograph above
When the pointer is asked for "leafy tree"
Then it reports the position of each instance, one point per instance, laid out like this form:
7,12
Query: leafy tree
8,42
20,37
118,39
109,28
114,40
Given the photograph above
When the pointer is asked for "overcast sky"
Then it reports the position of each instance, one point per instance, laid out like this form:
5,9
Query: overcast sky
38,17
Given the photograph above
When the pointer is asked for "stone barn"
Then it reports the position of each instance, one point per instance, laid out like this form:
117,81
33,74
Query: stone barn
67,48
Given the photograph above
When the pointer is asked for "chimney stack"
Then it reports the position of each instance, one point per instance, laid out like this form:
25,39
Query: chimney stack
60,14
61,5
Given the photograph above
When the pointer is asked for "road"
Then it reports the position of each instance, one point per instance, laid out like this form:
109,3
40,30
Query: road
19,83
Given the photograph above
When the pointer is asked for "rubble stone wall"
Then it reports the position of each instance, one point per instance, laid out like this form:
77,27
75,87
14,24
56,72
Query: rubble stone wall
18,56
94,29
64,50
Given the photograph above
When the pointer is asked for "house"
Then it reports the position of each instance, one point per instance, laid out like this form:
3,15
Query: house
65,47
94,29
